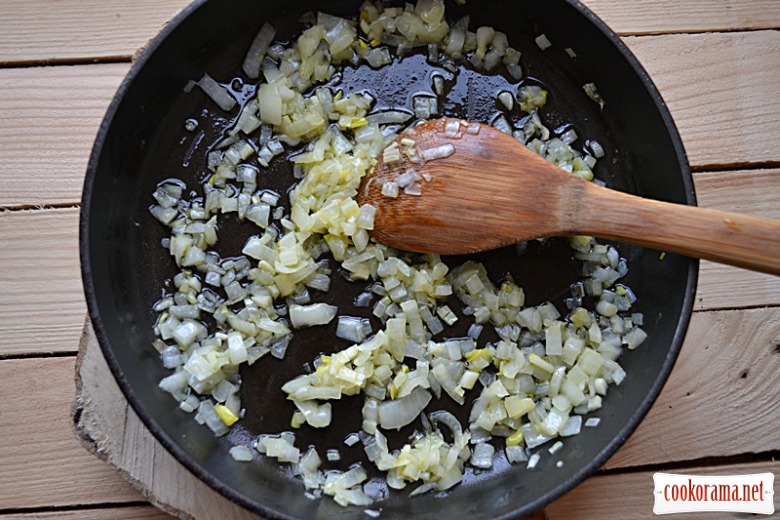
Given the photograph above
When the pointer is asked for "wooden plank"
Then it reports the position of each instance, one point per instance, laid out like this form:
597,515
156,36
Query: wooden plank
43,463
132,450
721,89
721,398
42,305
670,16
49,117
697,74
103,513
45,31
617,497
752,192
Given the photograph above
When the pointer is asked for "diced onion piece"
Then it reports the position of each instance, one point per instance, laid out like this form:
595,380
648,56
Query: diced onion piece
278,448
270,104
553,342
483,456
257,50
241,453
437,152
217,93
515,454
501,123
353,329
555,447
400,412
452,128
309,315
387,117
572,426
507,99
390,189
533,461
543,42
597,149
592,92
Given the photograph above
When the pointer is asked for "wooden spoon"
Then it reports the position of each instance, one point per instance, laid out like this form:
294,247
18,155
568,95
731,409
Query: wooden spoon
493,191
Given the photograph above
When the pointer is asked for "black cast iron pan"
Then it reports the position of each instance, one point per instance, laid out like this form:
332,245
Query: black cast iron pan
142,141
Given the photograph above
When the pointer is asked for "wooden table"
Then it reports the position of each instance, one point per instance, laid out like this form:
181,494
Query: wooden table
717,64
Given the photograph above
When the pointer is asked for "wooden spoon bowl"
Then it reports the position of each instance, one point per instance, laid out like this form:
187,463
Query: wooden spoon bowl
490,190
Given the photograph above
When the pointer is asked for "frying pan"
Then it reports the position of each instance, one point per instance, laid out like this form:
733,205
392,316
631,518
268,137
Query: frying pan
142,141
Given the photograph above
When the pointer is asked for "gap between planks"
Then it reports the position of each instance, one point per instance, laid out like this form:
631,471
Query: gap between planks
107,511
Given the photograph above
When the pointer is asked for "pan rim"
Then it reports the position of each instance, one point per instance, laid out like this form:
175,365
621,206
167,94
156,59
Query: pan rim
242,500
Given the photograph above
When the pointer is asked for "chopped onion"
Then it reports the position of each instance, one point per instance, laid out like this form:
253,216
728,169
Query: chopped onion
388,117
353,329
257,50
482,457
533,461
241,453
506,99
537,380
592,92
310,315
395,414
217,93
543,42
437,152
452,128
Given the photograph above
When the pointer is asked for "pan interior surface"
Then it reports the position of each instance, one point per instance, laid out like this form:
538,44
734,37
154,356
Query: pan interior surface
143,142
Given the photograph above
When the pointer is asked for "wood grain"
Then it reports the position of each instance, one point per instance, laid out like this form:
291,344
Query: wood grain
49,117
618,497
43,464
754,193
669,16
721,398
110,428
721,89
699,76
46,31
41,300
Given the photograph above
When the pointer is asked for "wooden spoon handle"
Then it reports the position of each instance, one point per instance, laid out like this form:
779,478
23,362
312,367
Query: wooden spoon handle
731,238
